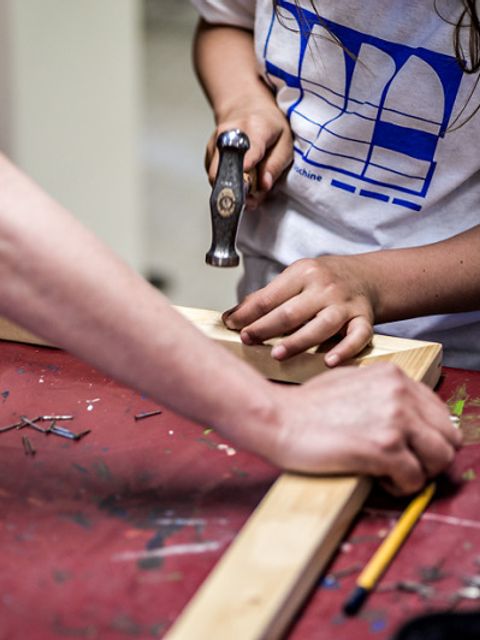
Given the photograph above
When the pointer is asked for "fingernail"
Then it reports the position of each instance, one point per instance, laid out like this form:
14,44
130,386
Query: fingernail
267,181
226,317
332,359
246,338
278,352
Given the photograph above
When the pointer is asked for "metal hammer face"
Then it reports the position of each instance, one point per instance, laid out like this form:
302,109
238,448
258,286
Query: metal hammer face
227,201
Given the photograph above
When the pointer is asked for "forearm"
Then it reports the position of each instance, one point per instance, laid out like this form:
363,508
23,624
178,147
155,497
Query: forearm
226,66
59,281
443,277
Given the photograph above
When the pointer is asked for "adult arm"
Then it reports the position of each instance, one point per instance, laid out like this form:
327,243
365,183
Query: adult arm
59,281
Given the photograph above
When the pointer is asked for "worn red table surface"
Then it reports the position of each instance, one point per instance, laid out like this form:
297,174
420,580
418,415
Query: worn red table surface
110,536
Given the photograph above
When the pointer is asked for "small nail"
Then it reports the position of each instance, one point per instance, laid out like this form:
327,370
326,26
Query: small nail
279,352
147,414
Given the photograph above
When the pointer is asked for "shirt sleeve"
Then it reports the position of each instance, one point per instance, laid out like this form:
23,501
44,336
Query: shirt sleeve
238,13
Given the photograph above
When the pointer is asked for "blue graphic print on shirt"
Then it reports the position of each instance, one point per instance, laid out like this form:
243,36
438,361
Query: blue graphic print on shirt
374,116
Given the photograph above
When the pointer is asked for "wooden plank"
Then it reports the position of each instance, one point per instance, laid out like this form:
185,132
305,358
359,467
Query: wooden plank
14,333
421,360
269,569
264,576
416,353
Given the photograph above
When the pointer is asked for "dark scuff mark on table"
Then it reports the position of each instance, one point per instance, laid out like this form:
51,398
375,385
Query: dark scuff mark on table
89,631
5,394
147,511
127,625
240,473
79,518
156,630
101,469
375,618
158,542
60,576
111,504
79,467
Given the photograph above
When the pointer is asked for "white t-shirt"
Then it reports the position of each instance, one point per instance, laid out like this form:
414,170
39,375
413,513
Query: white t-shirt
372,91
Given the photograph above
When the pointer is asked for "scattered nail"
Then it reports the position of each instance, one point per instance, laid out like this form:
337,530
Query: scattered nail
32,424
27,446
63,433
79,436
26,422
9,427
147,414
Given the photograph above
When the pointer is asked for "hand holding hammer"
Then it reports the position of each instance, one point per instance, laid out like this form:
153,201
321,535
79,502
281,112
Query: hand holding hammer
227,202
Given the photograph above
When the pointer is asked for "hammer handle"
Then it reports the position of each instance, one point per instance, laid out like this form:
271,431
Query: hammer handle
227,200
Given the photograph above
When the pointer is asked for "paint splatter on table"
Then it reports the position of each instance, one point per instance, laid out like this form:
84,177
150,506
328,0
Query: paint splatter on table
110,536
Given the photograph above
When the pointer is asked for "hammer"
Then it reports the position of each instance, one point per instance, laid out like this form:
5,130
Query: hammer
227,201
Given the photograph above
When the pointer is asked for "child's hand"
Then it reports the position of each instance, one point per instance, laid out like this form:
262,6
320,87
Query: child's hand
311,301
271,146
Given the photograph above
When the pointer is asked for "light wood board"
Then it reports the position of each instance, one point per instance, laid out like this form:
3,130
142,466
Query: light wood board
266,573
269,569
421,360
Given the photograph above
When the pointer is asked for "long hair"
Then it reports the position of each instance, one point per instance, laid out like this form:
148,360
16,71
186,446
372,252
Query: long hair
468,19
469,61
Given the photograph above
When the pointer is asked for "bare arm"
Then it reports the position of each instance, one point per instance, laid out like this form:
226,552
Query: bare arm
443,277
227,69
314,299
59,281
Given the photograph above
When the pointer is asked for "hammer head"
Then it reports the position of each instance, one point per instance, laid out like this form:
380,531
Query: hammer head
227,201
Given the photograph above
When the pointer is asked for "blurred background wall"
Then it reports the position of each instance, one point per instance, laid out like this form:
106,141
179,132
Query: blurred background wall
100,105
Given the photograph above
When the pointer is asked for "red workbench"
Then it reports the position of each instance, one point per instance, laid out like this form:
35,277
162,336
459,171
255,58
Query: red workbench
110,536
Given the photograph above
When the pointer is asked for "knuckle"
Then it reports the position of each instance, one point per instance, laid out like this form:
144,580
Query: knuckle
263,303
395,382
390,440
444,459
289,316
333,318
308,266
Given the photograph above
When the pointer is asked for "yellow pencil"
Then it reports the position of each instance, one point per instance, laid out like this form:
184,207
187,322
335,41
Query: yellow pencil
387,550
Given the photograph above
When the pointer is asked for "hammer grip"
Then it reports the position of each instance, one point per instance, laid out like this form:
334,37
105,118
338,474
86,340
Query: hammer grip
227,200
